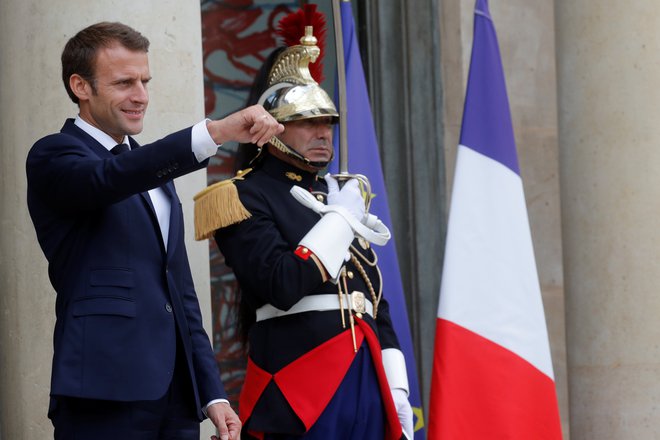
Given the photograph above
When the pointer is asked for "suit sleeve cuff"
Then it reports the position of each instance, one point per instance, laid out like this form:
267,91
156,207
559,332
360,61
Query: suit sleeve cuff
203,145
213,402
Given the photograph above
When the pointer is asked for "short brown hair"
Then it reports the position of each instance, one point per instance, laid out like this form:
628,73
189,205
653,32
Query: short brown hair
79,54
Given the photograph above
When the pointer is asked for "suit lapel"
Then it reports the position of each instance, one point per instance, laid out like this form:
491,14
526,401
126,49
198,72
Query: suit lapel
149,207
148,204
169,189
147,200
175,216
71,128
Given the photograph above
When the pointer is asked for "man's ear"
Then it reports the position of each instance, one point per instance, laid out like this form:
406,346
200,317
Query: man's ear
80,87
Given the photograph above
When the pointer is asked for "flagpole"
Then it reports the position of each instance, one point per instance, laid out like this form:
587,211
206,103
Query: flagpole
341,86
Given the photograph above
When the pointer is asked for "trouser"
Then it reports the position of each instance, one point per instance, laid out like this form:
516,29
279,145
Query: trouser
172,417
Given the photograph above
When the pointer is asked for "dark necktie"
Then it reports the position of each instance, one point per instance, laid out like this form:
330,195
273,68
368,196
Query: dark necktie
119,148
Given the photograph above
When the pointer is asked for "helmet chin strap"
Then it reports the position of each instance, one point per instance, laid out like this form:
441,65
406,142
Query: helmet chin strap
286,149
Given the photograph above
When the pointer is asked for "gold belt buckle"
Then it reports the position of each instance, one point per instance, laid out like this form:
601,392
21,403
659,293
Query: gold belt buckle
358,303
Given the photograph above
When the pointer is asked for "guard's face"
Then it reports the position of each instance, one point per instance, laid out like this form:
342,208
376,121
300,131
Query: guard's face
310,137
118,101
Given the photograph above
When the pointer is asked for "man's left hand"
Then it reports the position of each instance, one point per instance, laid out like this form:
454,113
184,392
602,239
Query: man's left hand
404,411
225,420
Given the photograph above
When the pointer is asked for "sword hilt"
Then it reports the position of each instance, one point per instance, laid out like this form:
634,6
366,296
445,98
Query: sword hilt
363,182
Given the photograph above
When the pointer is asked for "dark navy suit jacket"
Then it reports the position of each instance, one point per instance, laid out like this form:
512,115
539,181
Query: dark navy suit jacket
121,296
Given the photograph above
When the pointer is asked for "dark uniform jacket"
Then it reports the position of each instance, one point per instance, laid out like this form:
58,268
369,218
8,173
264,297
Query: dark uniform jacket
260,250
123,299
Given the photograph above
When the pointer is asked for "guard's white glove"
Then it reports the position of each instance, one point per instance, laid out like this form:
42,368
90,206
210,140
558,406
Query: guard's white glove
404,411
349,196
332,235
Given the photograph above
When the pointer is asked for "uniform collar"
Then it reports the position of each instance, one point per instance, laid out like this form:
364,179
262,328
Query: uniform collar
285,172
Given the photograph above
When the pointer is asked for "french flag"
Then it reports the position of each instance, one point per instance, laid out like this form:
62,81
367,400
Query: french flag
492,372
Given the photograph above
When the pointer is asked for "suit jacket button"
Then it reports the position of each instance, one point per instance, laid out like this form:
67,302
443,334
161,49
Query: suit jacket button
168,307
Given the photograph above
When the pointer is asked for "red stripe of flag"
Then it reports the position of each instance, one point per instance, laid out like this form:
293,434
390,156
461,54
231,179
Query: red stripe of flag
485,391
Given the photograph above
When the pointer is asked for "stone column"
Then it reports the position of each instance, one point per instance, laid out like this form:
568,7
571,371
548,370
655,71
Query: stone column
34,103
609,113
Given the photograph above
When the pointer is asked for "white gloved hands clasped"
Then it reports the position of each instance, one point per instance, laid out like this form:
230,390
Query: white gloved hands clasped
348,197
404,411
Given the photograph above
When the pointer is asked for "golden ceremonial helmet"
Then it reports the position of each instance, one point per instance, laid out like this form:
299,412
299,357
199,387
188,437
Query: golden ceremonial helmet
292,92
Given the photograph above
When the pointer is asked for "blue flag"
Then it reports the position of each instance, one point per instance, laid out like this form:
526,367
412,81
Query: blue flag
365,159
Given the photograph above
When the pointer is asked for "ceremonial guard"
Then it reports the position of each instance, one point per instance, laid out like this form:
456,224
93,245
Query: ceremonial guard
324,361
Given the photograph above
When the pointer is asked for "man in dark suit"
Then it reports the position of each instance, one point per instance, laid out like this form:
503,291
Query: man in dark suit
131,358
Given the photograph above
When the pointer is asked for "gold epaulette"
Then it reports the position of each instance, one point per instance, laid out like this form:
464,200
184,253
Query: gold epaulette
218,206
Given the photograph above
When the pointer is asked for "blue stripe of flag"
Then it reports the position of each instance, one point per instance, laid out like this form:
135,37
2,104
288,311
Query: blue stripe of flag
486,125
